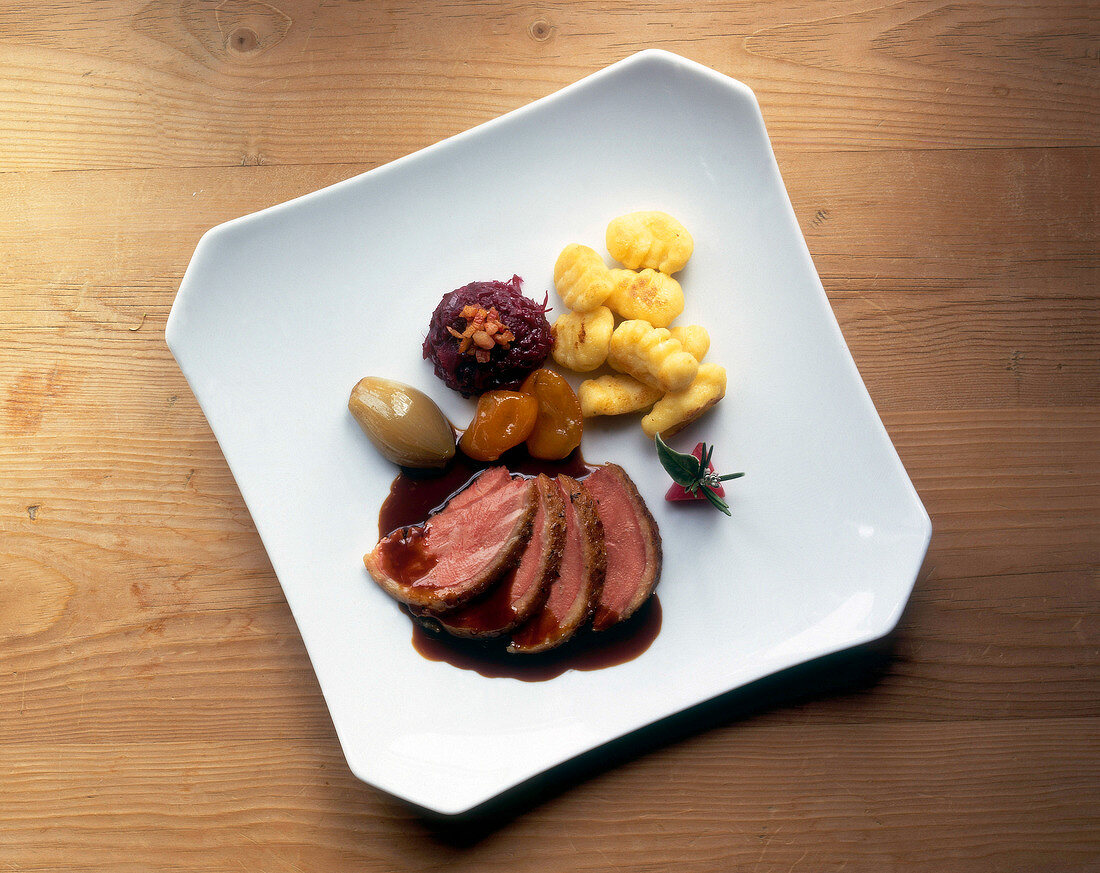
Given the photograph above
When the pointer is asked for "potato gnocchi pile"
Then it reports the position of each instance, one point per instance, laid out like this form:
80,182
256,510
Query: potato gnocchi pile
658,367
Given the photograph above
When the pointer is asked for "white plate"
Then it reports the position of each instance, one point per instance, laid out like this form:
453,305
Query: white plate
282,311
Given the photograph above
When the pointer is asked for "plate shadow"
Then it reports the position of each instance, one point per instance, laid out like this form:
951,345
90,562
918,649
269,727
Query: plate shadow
850,671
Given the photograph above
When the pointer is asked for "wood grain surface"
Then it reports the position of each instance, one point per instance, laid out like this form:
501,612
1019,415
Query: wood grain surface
157,707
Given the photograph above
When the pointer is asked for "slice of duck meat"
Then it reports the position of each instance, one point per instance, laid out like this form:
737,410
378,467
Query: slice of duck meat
576,590
523,589
461,550
632,541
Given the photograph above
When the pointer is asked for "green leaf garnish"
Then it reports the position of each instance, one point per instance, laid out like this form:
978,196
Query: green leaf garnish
685,470
716,501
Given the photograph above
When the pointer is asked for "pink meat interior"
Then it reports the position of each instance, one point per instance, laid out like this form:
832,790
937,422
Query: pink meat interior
571,576
623,540
565,589
528,572
468,533
497,610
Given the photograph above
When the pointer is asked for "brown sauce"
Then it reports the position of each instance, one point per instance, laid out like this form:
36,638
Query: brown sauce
403,555
494,611
542,630
587,651
416,494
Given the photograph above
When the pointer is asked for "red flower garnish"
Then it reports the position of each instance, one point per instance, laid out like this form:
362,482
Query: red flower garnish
694,475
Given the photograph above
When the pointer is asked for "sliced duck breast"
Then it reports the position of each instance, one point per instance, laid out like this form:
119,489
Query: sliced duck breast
461,550
522,590
632,542
576,590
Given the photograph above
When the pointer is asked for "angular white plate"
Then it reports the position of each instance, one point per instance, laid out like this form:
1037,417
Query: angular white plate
282,311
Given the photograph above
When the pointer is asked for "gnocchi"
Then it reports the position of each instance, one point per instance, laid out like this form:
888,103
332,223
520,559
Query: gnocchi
694,338
648,295
582,278
581,339
649,239
659,367
651,355
615,395
677,409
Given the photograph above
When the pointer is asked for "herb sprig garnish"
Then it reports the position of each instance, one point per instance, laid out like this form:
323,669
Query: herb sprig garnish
694,474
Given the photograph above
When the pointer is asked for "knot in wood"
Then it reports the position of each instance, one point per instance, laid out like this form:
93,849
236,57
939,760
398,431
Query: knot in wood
243,40
540,30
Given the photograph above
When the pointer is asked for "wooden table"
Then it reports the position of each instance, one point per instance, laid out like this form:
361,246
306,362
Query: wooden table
157,709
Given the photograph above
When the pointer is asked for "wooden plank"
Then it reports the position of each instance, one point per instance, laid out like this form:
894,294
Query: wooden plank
872,220
970,468
980,472
915,350
884,221
940,350
221,84
166,660
139,577
922,305
747,796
